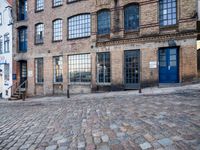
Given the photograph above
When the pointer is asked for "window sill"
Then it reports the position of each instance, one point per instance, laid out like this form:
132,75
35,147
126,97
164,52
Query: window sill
39,43
24,20
39,84
78,38
22,51
80,83
56,41
104,84
57,6
37,11
58,83
73,2
131,31
171,27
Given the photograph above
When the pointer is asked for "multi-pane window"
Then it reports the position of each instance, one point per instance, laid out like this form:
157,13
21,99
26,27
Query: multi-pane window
70,1
6,43
79,26
39,67
6,72
168,12
1,44
57,3
22,32
39,5
131,17
103,67
57,30
39,33
79,68
22,9
103,22
58,69
0,18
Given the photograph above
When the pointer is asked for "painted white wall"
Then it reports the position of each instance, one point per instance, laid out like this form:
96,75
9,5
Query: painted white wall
6,27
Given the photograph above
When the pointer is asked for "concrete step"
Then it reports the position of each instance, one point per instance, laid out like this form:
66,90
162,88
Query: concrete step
13,98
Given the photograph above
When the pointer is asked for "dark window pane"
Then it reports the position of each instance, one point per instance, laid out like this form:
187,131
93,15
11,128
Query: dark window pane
103,22
131,17
58,69
103,67
39,70
39,33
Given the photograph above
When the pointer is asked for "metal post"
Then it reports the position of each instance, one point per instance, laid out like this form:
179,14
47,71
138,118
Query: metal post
68,96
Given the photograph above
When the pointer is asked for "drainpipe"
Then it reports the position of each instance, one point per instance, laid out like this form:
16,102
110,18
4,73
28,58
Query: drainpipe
198,9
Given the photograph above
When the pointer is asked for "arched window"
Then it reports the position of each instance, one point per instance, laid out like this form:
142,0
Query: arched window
103,22
131,17
57,30
39,33
79,26
167,12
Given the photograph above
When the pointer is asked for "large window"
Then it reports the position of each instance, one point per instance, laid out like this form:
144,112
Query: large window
39,5
6,43
79,26
22,9
57,3
167,12
39,33
103,22
103,67
22,45
39,70
1,44
58,69
57,30
79,68
131,17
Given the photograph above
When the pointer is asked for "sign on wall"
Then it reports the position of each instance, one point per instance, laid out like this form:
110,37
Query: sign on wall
152,64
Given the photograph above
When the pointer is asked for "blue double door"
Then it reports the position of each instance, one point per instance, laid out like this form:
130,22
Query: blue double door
168,65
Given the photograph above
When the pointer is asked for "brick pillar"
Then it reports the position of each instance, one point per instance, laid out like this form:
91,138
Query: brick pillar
65,74
117,69
93,71
31,77
48,75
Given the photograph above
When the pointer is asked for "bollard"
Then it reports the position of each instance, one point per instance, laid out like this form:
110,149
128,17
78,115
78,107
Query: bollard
68,96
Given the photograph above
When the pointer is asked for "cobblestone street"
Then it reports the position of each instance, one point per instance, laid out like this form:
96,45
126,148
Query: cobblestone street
116,120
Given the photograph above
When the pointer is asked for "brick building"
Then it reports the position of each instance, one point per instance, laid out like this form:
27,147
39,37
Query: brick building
94,45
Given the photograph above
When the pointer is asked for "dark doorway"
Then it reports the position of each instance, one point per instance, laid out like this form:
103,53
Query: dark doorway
132,69
23,72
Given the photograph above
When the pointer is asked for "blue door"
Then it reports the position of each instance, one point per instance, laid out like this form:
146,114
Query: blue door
168,65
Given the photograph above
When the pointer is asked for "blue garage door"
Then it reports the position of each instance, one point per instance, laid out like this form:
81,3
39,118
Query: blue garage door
168,65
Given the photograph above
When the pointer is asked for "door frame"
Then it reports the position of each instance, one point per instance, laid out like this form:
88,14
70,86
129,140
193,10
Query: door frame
178,63
140,69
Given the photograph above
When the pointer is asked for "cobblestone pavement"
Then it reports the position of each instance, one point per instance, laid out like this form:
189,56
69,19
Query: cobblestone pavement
117,120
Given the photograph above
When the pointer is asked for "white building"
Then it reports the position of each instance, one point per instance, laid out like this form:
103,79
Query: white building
5,49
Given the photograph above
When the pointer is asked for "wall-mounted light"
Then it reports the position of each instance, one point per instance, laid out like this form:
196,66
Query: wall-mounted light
171,42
